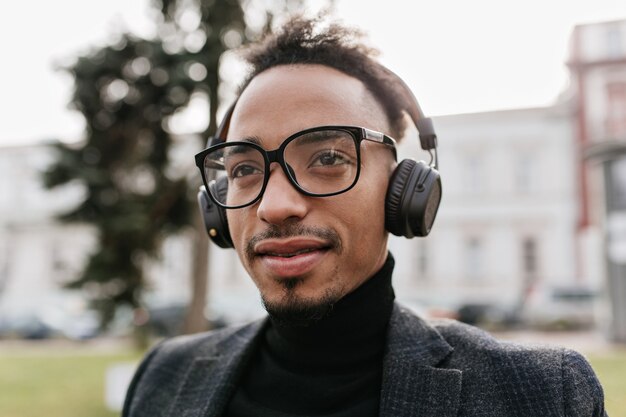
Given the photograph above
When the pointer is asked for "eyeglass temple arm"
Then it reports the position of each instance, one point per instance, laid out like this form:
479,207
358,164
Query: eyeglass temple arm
222,129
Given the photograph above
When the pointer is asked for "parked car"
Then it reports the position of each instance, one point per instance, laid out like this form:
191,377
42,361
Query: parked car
58,318
26,326
562,308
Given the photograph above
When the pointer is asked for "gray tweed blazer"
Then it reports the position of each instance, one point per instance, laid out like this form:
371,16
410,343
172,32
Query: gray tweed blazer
430,369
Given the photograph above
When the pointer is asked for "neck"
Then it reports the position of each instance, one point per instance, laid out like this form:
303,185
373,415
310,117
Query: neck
353,330
295,368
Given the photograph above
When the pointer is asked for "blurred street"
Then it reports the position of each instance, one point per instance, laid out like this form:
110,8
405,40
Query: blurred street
586,341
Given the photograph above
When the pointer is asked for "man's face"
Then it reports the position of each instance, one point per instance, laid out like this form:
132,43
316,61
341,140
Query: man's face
309,251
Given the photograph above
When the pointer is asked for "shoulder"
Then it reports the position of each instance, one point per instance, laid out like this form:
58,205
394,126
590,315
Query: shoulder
545,376
206,344
177,352
470,342
165,367
552,372
472,346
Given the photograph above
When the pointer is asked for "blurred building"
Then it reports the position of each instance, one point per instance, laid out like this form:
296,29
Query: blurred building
506,229
505,240
521,230
39,254
521,226
597,63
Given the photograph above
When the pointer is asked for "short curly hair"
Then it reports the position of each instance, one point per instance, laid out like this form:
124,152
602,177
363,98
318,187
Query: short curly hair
312,41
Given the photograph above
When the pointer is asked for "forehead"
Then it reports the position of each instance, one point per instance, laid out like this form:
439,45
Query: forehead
285,99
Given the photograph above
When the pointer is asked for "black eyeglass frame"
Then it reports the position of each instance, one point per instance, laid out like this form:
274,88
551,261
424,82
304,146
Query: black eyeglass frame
358,134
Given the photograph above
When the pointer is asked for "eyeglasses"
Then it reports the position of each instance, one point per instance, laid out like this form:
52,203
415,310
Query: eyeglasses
319,162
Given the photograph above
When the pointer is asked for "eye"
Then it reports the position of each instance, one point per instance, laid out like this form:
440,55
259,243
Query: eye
330,157
243,170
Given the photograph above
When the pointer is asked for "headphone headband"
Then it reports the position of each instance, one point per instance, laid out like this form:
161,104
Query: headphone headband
423,124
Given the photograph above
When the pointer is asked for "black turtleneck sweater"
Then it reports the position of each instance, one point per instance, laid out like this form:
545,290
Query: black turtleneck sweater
331,368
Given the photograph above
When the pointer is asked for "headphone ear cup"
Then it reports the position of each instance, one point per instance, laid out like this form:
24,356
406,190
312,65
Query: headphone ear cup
214,216
395,194
412,200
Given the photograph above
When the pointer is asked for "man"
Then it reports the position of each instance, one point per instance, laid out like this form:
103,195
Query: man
304,179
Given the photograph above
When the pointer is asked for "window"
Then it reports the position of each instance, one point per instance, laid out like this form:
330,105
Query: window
5,263
615,122
474,174
58,267
474,258
7,179
421,260
616,185
524,167
614,42
529,257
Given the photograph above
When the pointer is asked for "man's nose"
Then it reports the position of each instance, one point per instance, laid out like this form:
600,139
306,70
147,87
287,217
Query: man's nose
281,201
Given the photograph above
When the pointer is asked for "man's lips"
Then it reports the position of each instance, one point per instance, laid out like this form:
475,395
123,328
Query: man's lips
289,254
289,248
292,257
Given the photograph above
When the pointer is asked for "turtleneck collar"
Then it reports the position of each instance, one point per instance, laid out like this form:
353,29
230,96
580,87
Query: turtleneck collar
352,332
331,368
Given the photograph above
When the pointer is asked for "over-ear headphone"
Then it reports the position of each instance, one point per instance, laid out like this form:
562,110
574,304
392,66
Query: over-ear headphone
413,195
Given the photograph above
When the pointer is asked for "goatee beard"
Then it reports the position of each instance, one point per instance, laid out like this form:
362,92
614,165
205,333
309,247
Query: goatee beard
294,311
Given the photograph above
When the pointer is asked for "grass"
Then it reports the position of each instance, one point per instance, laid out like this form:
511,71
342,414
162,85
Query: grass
68,384
58,382
611,370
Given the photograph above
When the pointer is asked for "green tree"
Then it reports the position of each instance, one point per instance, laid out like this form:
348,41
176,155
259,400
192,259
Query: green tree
134,196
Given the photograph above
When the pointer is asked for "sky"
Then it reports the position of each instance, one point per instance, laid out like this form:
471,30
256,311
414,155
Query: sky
458,56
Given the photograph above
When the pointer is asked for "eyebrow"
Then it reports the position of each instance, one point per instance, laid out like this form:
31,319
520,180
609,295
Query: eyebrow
318,136
238,149
251,139
234,150
311,137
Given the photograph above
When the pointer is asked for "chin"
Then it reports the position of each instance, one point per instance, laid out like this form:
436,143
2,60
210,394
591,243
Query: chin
292,308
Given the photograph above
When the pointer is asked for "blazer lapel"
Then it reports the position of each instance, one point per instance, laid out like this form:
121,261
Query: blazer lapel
413,386
211,378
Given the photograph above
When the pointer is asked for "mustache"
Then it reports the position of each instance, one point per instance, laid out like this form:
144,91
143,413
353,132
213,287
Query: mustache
293,230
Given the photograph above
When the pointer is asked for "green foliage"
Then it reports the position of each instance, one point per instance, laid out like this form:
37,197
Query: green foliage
126,93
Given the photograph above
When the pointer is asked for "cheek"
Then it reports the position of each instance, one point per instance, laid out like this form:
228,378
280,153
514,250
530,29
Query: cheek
376,214
365,210
233,223
236,226
376,189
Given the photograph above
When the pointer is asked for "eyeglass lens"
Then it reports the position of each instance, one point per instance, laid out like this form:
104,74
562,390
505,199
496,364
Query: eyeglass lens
319,162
